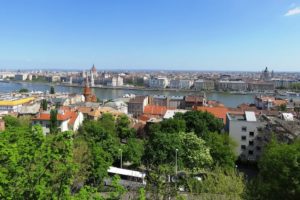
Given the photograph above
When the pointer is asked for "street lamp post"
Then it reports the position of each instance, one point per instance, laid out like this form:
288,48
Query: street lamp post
176,167
121,161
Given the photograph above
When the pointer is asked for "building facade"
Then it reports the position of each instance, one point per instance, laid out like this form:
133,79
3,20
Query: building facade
136,105
203,84
244,129
160,82
181,84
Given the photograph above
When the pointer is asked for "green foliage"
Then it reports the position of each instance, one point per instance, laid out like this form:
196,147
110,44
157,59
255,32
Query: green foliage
159,185
169,126
34,166
218,184
44,104
87,193
200,123
142,194
295,86
53,121
23,90
156,155
102,147
133,151
279,173
118,190
195,154
221,149
282,107
11,121
123,128
107,122
52,90
82,157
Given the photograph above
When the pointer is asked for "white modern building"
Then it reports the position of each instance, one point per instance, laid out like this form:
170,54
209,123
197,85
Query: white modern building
160,82
244,130
21,77
181,84
115,81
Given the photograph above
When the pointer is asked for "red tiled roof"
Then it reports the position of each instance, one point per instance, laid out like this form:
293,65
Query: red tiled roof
193,99
218,112
67,114
155,110
73,118
144,118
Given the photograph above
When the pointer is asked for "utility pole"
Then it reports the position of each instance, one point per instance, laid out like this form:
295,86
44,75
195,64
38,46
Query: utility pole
121,161
176,167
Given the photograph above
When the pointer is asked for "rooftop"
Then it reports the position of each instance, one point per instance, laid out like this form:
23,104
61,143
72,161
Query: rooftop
218,112
15,101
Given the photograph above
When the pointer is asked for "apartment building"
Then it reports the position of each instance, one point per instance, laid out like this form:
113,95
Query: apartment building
181,84
21,77
159,82
137,105
237,85
202,84
244,129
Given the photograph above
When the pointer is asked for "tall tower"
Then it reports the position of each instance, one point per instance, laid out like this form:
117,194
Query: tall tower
87,92
94,70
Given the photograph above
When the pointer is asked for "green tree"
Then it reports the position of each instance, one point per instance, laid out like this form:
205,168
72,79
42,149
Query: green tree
218,184
221,149
123,129
107,121
82,157
279,173
133,151
52,90
282,107
200,123
195,154
87,193
11,121
118,189
53,121
44,104
34,166
160,149
142,194
23,90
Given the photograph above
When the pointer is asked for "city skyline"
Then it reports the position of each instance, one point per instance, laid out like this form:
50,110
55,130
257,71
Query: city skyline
160,35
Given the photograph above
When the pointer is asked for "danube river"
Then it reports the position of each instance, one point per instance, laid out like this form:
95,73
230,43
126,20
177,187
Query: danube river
230,100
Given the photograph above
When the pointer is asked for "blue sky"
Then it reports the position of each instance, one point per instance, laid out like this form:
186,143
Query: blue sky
150,34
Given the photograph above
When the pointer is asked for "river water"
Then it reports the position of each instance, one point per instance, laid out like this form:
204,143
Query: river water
230,100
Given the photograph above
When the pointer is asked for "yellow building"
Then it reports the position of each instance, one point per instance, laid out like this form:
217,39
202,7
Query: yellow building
14,105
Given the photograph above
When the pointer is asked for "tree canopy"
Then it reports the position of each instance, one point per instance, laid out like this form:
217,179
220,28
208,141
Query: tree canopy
279,173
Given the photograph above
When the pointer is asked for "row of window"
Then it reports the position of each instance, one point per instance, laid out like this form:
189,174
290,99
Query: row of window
251,134
243,147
